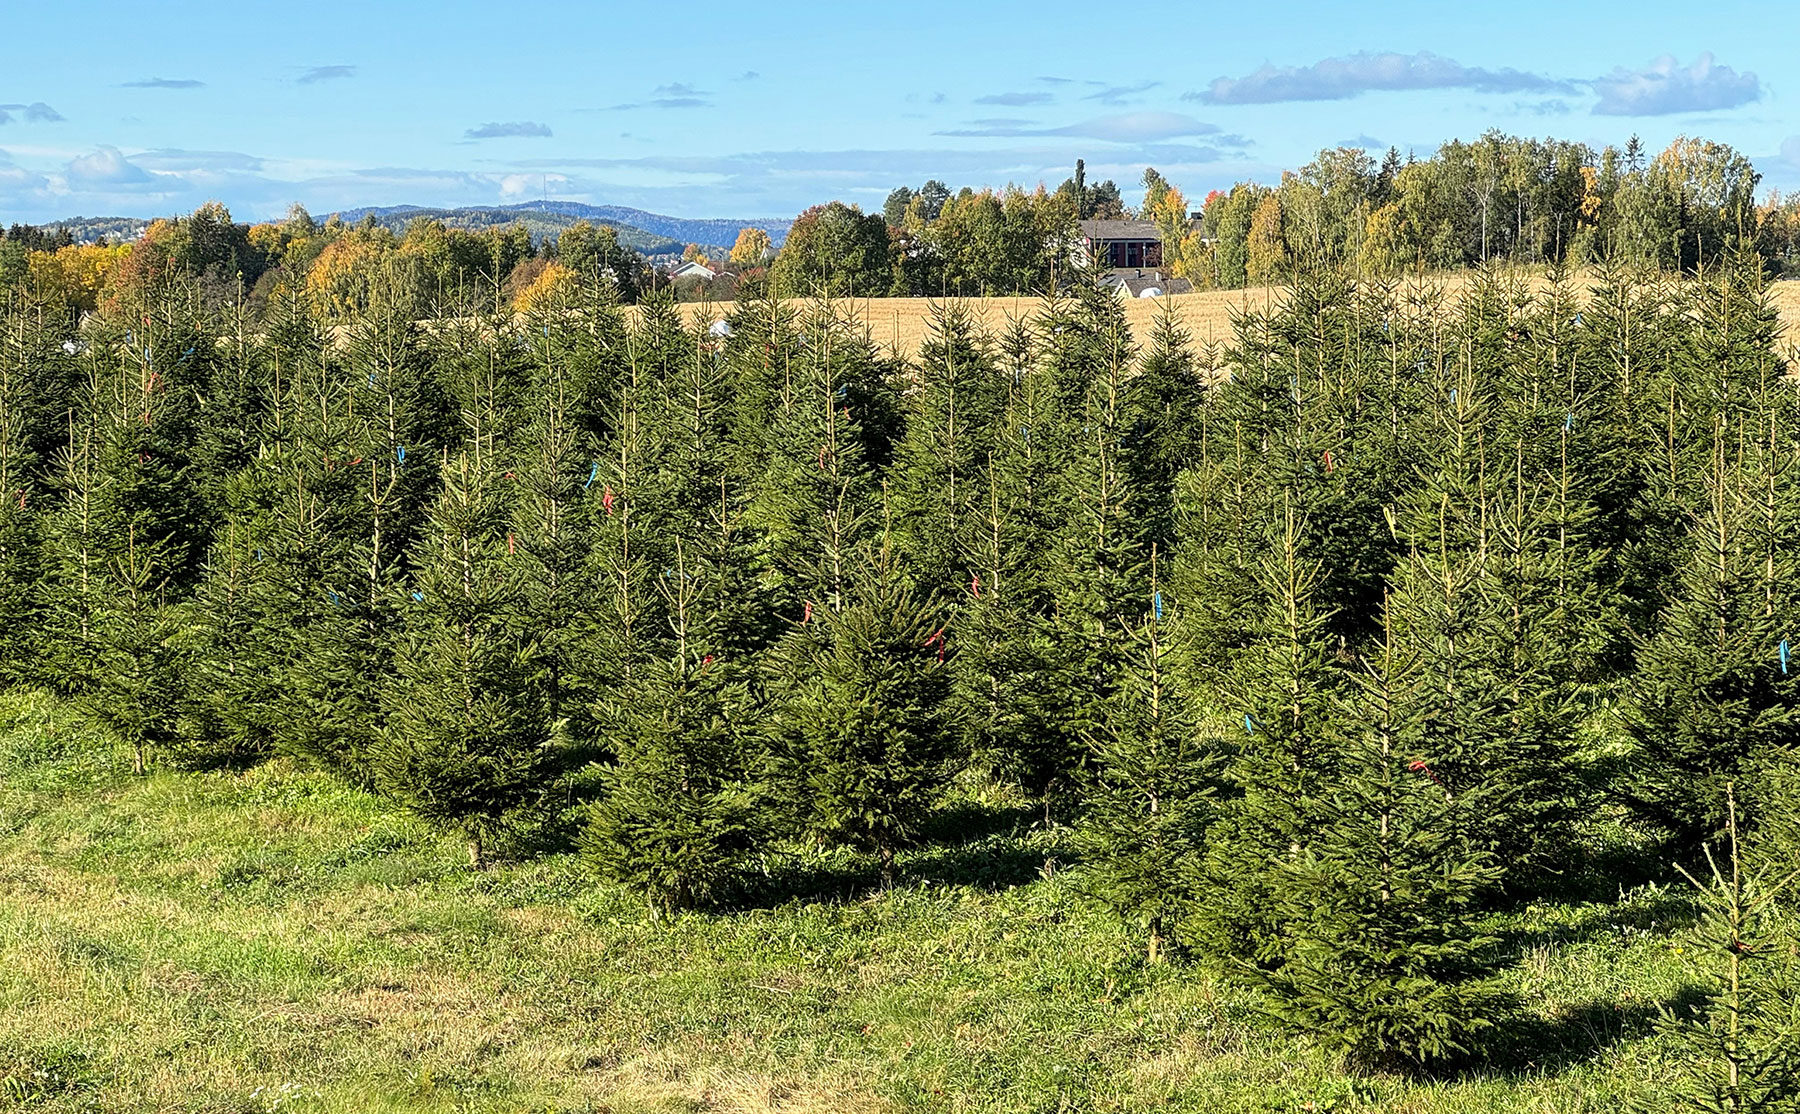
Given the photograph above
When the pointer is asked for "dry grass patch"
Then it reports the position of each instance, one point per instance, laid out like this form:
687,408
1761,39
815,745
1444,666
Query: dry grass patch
901,325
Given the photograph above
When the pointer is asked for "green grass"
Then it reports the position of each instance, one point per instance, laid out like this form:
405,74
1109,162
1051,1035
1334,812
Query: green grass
270,940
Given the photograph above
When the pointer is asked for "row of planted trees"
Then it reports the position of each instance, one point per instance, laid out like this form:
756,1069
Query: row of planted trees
1329,642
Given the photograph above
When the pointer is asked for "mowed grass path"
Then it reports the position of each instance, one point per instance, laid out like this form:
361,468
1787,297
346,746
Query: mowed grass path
271,941
900,325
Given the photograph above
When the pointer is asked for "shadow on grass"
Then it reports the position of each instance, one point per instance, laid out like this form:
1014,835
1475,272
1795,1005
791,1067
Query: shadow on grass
1662,910
969,844
1523,1046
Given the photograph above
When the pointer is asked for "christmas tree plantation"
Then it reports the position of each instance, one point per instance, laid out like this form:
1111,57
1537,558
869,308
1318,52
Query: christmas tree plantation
1335,646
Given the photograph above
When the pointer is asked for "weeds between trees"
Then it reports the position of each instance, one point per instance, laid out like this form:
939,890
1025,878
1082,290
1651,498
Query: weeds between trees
1327,656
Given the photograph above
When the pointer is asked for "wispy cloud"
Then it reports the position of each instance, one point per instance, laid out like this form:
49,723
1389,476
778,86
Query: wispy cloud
165,83
1129,127
1365,142
1665,87
678,94
1015,100
175,160
1555,106
317,74
516,129
1120,94
37,112
1336,79
747,75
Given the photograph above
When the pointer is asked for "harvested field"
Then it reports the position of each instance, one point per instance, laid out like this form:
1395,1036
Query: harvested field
900,324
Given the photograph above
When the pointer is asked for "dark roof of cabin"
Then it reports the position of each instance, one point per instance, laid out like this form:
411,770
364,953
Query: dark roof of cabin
1120,230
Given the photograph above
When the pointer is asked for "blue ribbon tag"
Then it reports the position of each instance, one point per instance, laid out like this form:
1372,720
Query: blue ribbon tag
1784,655
595,471
400,453
1249,724
1158,607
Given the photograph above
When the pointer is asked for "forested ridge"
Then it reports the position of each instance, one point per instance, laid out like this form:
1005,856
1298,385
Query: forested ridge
1327,643
1497,199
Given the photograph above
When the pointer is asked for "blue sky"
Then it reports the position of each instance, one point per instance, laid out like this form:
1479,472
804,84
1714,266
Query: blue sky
742,110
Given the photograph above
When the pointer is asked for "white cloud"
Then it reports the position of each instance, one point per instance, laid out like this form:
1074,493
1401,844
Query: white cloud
1664,87
105,167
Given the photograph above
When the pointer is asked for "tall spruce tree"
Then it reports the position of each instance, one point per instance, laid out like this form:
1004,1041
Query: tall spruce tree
1154,784
1712,699
1284,690
116,546
30,368
1098,558
464,739
552,466
1166,405
951,425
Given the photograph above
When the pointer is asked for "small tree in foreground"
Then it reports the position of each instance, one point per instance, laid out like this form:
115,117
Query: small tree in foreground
1740,1051
876,739
1384,957
672,825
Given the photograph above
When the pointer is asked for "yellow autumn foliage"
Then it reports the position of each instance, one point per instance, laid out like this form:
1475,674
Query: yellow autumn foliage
339,278
75,274
554,280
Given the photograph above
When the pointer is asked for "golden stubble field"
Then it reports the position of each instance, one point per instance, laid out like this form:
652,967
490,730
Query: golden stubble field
901,324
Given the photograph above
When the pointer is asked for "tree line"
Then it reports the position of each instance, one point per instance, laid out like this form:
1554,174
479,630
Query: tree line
1500,197
340,268
1330,642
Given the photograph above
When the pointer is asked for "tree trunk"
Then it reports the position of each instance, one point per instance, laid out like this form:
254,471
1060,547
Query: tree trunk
477,852
886,848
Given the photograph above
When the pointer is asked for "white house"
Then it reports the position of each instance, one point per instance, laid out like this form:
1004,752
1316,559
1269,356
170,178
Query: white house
690,268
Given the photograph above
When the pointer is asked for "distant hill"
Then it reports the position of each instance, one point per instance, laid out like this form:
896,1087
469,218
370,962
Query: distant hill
541,223
650,233
675,228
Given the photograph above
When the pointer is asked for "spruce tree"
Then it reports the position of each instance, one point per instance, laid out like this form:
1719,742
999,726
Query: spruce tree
1166,406
871,744
816,501
1711,700
549,477
1739,1051
464,740
1152,798
293,519
1383,956
1007,696
1098,557
1283,692
951,425
675,817
115,544
26,354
